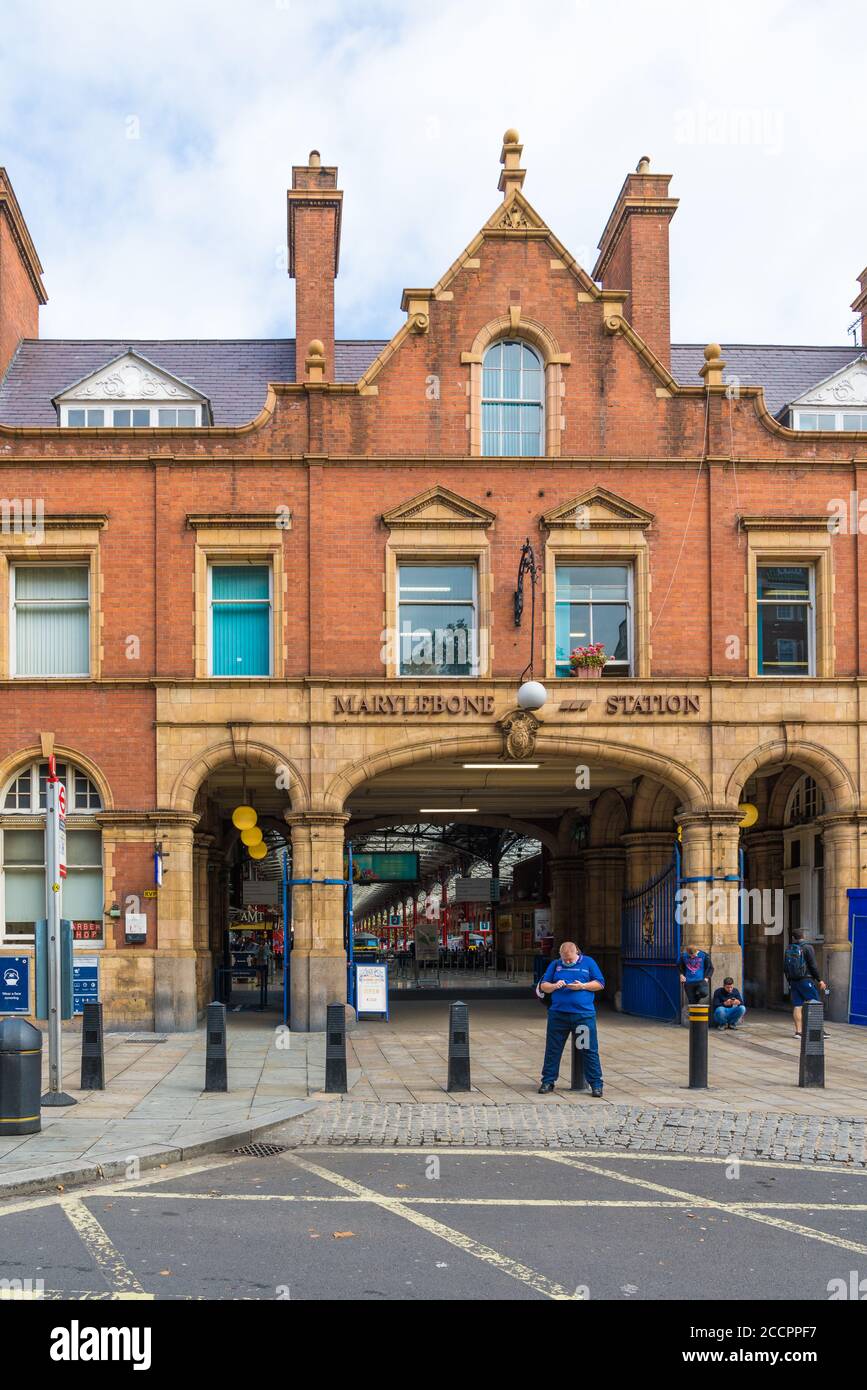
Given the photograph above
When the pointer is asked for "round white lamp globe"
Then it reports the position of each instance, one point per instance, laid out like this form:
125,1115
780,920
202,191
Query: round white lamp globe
532,695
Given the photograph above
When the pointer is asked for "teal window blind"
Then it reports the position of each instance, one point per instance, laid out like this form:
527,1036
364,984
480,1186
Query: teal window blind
240,620
52,620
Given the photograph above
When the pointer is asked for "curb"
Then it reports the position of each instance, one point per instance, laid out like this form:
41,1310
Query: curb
50,1178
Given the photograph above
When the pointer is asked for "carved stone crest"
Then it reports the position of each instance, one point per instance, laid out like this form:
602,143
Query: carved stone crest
514,218
647,924
519,733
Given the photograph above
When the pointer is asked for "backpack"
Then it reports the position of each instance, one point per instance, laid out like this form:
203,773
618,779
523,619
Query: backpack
794,962
545,998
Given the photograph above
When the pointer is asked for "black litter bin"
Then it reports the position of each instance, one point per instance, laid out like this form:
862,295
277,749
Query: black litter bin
20,1077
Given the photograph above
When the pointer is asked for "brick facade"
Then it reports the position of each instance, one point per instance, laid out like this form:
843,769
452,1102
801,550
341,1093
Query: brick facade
696,457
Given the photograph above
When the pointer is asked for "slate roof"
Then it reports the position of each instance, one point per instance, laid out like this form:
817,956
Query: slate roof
785,372
234,374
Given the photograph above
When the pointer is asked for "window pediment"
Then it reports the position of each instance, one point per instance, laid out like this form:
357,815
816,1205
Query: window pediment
438,507
597,509
129,378
846,387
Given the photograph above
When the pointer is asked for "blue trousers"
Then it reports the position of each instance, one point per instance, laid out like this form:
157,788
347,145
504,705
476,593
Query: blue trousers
560,1026
733,1015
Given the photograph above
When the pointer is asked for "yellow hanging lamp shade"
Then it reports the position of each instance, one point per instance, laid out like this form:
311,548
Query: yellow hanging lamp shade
251,837
244,817
258,851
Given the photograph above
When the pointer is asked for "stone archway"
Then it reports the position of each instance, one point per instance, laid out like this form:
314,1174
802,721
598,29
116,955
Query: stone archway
683,781
830,772
253,755
772,880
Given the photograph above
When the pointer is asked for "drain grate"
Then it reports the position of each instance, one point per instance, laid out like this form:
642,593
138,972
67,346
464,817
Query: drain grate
260,1150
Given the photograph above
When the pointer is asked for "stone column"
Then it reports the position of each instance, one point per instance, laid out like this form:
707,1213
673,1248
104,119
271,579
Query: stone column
201,900
175,1008
568,904
840,835
709,907
604,868
648,852
763,939
318,972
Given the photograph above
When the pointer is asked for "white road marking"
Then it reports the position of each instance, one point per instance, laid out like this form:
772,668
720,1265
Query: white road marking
111,1186
731,1208
502,1263
108,1260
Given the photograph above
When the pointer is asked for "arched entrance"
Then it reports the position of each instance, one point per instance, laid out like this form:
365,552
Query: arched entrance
231,898
589,820
800,857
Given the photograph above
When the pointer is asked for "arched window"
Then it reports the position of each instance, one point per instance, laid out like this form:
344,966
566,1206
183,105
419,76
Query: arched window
23,886
513,394
805,802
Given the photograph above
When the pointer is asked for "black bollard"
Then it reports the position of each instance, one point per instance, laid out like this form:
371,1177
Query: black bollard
459,1048
216,1074
335,1049
92,1053
579,1081
811,1071
698,1017
20,1077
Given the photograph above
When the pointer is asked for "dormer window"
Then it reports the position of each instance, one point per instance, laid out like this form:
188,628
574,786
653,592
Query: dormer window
131,417
131,393
837,403
829,420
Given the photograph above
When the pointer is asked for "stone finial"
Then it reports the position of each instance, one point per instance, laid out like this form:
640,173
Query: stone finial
314,362
712,371
512,176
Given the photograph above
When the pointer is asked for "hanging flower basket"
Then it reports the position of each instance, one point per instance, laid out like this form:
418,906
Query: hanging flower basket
587,662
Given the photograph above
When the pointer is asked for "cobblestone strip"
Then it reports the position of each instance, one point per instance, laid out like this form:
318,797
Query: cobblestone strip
808,1139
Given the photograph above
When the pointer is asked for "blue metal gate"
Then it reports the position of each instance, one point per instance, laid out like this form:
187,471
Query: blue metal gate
650,946
858,937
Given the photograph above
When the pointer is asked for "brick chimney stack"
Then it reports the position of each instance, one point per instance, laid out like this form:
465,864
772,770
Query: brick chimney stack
315,205
860,305
633,255
21,288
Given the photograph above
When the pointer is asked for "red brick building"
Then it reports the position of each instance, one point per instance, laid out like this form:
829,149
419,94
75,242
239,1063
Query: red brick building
284,572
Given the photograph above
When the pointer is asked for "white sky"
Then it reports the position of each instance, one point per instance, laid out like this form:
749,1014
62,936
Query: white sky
755,108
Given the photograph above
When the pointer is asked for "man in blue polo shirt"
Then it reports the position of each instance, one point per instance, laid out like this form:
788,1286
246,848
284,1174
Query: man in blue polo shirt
572,981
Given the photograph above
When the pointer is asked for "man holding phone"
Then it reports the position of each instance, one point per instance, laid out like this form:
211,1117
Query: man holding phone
572,982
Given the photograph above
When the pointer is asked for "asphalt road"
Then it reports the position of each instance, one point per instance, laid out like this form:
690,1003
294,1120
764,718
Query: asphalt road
447,1224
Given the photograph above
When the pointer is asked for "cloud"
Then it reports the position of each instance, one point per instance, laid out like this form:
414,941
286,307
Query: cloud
151,149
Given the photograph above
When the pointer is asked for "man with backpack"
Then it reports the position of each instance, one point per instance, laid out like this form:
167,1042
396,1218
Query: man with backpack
571,984
801,971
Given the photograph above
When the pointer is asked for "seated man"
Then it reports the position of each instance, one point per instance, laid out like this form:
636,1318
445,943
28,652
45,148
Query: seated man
728,1005
696,969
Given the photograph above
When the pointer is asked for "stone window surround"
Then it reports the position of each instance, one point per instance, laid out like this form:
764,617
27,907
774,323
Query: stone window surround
791,540
579,546
72,540
465,546
233,540
515,327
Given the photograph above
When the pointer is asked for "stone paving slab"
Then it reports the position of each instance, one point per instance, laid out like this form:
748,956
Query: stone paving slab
591,1125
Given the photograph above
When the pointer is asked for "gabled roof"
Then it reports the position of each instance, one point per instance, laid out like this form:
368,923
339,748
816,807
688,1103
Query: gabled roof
233,374
786,373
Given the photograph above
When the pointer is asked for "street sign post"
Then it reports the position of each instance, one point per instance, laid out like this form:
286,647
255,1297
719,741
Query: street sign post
55,851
